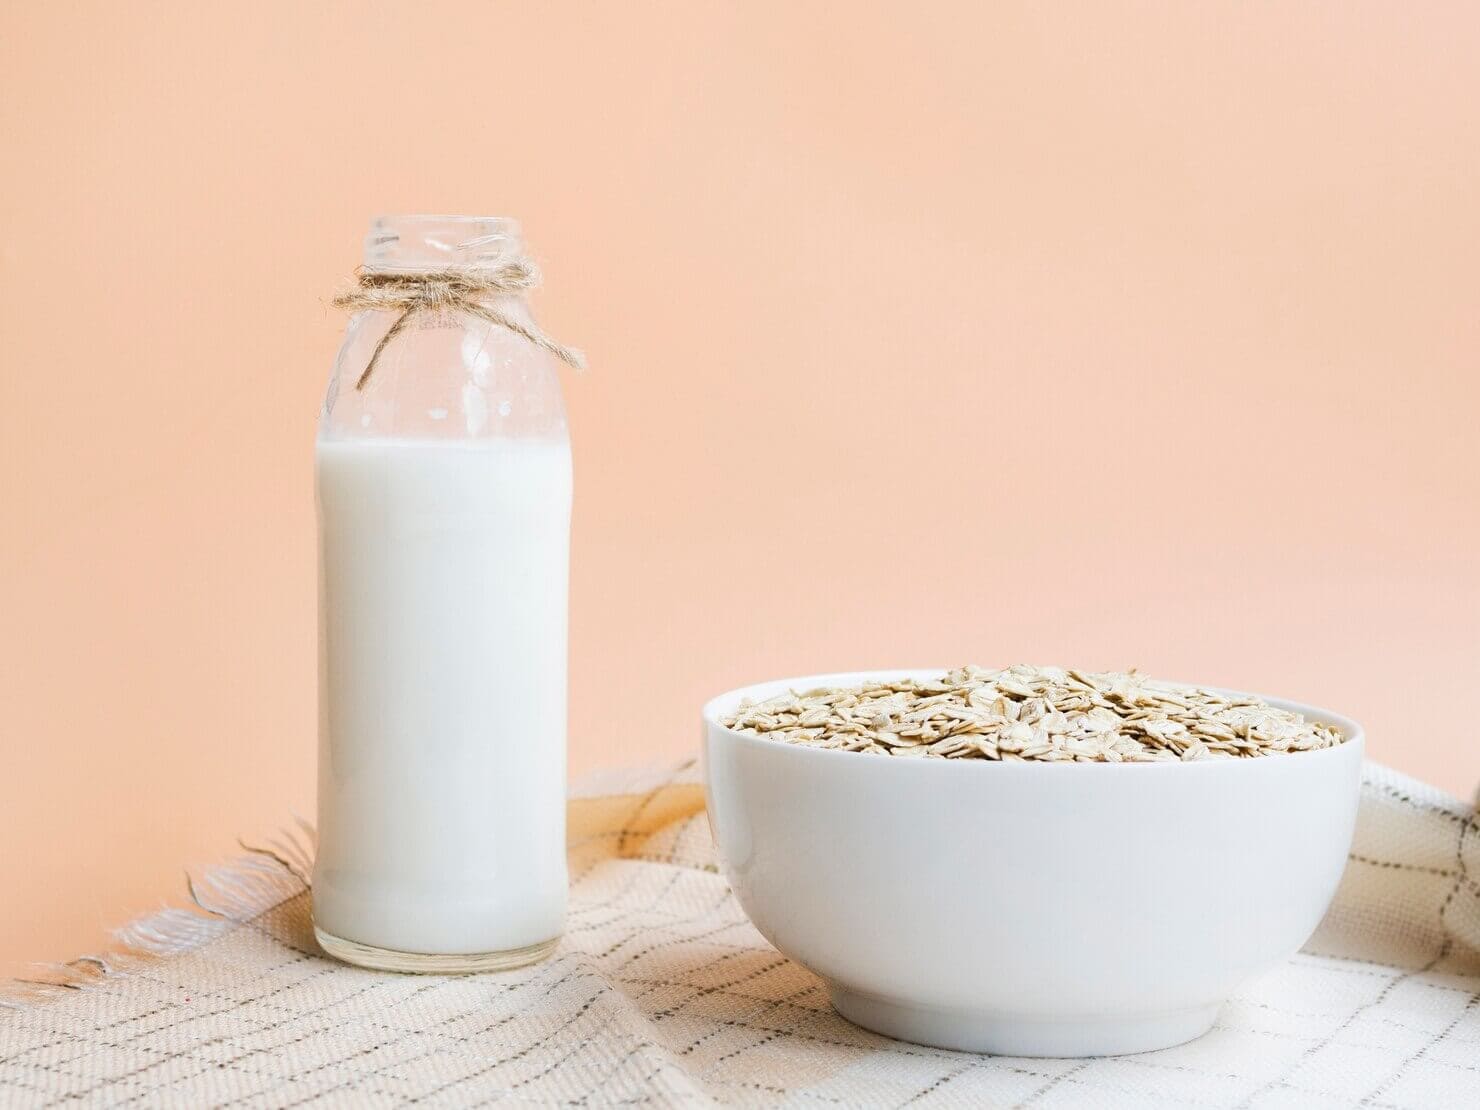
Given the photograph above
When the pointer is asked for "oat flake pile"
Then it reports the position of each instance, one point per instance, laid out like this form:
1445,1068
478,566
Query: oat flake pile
1034,713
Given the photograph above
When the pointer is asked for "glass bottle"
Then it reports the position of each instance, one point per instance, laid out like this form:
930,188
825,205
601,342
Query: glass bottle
444,493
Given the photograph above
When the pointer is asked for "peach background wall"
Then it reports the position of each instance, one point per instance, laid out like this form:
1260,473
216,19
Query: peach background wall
1112,334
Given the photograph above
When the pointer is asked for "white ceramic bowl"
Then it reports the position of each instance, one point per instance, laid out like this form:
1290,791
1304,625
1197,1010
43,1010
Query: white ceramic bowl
1030,909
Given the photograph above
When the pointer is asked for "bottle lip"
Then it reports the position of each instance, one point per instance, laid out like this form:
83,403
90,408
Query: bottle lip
417,242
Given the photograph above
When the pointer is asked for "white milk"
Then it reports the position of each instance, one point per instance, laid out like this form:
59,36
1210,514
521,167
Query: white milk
443,585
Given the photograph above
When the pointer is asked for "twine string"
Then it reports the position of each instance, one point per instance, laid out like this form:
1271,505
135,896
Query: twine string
465,292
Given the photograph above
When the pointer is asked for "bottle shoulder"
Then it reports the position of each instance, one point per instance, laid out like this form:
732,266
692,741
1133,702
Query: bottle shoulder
443,378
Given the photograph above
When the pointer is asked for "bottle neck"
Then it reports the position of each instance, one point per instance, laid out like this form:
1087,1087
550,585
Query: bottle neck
419,244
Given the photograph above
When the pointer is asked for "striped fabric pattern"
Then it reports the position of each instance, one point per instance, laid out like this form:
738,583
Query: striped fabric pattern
662,994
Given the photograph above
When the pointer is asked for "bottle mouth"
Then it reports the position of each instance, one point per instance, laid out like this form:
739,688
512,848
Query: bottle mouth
408,244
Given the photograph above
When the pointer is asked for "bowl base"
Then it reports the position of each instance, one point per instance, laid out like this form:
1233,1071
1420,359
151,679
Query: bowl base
1010,1035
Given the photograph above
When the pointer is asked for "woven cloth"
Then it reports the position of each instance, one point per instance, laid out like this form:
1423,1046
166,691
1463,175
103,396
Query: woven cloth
662,994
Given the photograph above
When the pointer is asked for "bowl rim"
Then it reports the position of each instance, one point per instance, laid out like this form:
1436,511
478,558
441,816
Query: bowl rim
1355,734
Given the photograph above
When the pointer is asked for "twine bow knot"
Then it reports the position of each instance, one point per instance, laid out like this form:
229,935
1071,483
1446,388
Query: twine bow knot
465,292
